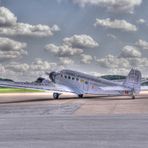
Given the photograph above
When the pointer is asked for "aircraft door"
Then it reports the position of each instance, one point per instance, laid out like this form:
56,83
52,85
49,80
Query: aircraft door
86,85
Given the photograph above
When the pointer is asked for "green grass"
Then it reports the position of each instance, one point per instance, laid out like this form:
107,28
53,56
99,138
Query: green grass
17,90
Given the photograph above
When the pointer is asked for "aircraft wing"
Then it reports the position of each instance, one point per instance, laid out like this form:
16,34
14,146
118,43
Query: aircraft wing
36,86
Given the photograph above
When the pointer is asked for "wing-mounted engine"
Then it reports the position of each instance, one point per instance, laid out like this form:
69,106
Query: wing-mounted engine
52,76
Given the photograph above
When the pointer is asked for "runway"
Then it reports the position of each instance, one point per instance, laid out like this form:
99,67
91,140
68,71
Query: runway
74,132
104,122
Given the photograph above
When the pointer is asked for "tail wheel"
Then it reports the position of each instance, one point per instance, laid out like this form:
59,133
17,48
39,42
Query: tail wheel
56,95
80,95
133,96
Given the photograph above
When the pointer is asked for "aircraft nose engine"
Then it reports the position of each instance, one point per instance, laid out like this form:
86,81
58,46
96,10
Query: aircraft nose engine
52,76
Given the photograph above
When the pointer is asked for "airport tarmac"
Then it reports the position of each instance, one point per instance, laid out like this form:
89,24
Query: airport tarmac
104,122
45,131
69,104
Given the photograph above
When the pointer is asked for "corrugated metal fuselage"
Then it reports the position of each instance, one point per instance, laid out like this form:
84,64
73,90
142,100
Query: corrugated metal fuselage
85,84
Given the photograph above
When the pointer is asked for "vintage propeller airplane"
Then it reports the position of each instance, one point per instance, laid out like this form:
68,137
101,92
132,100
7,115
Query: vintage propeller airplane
81,84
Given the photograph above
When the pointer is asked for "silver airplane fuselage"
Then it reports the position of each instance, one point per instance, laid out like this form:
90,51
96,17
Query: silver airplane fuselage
82,83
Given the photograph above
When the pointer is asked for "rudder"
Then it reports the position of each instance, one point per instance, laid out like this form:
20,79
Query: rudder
133,81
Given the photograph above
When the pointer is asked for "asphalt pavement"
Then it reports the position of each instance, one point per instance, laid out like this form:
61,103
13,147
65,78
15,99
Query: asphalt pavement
44,131
99,122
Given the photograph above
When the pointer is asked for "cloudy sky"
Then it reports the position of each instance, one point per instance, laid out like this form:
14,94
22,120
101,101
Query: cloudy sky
92,36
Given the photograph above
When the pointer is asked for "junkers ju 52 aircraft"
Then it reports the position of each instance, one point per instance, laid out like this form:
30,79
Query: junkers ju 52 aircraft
81,84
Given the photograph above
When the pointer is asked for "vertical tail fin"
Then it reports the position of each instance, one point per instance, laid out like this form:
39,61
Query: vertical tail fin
133,81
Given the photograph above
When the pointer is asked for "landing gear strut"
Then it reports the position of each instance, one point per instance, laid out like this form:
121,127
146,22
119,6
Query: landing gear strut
56,95
80,95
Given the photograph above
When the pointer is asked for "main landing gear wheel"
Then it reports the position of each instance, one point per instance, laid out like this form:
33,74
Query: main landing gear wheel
56,95
80,95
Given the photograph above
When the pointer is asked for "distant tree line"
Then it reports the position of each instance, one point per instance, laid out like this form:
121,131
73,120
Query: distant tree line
114,77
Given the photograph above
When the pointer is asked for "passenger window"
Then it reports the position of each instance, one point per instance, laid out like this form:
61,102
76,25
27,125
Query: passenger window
61,75
65,77
77,79
69,77
73,78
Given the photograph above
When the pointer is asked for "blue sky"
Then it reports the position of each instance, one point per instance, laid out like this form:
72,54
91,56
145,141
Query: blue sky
93,36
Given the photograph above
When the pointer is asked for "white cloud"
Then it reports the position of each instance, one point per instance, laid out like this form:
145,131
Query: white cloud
116,24
118,71
86,59
142,44
65,61
41,65
130,52
27,30
17,67
52,48
96,74
111,36
10,27
63,50
119,65
2,70
141,21
128,58
126,6
11,49
111,61
7,18
55,28
81,41
26,72
73,45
